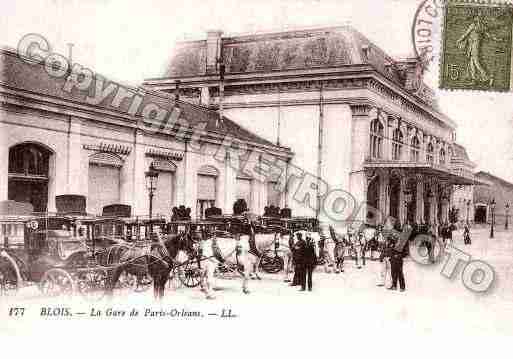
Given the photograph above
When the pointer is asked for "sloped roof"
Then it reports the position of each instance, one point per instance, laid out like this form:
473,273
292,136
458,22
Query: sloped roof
494,179
289,50
18,74
460,152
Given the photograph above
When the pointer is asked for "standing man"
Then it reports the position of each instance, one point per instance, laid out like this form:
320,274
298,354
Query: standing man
309,262
297,257
396,260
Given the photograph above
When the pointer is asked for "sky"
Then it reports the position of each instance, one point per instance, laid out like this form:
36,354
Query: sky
129,41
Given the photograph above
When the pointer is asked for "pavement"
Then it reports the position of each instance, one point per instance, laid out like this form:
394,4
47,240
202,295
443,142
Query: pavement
349,301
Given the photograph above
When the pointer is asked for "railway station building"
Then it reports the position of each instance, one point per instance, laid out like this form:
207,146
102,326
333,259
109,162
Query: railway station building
327,102
357,118
55,142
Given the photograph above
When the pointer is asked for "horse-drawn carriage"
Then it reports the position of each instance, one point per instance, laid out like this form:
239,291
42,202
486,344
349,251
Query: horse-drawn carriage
47,250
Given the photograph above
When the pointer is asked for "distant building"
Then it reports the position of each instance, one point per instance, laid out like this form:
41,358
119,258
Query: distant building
499,190
463,196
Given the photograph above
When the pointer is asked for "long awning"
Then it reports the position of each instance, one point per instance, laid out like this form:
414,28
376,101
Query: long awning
440,172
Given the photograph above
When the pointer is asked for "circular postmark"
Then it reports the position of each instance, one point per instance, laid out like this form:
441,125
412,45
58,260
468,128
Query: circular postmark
426,31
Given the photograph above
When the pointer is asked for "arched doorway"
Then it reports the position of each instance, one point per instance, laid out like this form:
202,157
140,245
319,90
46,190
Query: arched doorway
480,216
207,189
29,175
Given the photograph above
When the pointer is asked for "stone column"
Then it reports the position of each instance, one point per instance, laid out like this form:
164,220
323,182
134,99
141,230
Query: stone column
230,184
205,96
402,207
140,199
433,205
419,216
384,197
75,158
190,180
4,163
362,115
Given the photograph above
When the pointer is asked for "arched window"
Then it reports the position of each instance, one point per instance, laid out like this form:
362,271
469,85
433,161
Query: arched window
29,160
442,156
430,153
376,139
397,144
415,149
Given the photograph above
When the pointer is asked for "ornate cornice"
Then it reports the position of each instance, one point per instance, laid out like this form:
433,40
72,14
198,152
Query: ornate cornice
167,155
108,148
360,109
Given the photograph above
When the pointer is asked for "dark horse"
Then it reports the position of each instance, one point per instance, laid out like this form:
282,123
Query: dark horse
159,261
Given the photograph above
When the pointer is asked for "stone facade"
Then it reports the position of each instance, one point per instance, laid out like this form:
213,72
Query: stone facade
497,189
322,93
103,152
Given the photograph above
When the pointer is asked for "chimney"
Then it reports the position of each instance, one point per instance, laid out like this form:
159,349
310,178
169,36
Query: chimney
213,50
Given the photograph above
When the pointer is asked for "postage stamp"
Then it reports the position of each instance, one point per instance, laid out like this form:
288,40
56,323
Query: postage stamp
476,46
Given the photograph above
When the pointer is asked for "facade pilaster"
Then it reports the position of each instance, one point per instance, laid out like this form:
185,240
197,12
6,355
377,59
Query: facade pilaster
419,216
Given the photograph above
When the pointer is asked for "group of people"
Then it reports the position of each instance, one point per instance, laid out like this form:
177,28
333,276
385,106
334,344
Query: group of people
305,260
394,250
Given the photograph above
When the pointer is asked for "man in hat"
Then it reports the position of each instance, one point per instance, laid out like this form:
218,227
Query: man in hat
298,248
309,262
396,259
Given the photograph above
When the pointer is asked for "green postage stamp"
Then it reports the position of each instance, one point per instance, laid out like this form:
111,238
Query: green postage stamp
476,49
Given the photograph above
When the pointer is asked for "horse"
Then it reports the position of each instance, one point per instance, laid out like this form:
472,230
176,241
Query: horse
226,249
156,260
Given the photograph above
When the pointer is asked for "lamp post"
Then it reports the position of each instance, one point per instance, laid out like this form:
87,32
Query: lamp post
492,207
151,184
507,216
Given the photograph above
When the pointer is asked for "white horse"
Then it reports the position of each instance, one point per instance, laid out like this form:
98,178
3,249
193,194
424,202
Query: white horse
232,251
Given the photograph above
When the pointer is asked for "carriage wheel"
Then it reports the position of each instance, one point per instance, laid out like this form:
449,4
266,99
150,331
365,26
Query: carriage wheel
272,264
8,283
190,274
92,284
56,282
127,280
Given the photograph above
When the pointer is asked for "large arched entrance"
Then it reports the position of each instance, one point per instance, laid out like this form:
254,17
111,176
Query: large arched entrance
29,175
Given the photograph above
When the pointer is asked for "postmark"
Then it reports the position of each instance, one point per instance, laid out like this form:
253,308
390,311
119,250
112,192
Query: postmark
476,46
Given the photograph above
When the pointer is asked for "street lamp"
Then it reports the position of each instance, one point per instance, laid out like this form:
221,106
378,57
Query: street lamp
151,184
492,207
507,216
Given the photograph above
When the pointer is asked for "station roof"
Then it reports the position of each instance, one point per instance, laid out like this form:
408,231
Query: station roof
32,77
284,50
